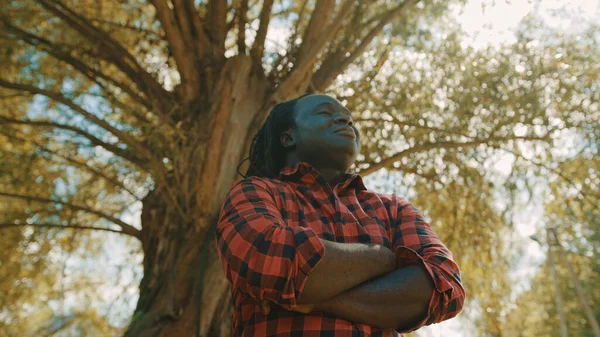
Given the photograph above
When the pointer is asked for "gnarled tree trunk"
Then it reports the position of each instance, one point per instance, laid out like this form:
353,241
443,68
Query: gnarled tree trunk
184,290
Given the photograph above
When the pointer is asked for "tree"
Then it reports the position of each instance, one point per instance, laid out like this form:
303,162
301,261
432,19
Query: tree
570,209
157,105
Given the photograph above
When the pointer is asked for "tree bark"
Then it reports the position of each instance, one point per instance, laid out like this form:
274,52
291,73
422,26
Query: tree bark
184,291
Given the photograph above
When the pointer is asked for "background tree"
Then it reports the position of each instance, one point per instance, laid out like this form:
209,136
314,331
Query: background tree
110,106
572,210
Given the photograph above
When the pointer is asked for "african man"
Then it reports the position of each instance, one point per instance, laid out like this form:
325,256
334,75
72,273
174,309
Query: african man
310,251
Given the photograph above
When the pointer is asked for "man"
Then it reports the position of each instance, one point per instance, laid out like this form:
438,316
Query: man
311,252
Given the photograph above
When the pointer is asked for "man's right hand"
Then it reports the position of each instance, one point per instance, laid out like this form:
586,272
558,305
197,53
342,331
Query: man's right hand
265,307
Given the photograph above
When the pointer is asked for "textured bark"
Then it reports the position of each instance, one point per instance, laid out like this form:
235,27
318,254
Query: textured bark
184,291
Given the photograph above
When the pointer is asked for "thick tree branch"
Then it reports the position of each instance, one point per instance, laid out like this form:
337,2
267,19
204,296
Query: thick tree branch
298,22
93,139
124,137
336,63
127,229
316,28
242,16
216,25
199,34
259,42
186,27
115,53
50,225
316,37
178,33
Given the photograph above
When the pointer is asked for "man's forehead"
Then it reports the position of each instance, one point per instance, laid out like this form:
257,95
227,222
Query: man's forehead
313,101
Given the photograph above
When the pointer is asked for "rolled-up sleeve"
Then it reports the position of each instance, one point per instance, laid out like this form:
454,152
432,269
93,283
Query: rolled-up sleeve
414,242
261,256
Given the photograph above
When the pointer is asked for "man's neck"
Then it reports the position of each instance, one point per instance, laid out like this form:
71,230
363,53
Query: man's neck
333,176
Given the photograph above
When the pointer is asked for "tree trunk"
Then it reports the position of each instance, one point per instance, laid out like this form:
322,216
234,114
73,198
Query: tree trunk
184,291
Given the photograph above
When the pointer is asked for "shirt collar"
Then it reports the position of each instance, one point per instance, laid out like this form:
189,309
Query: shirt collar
303,171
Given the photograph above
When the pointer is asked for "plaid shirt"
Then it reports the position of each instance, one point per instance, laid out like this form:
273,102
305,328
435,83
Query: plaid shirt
268,242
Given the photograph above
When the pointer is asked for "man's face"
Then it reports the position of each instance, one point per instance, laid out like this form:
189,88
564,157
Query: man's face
324,132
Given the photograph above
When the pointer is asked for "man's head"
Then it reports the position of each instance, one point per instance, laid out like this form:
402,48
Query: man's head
316,129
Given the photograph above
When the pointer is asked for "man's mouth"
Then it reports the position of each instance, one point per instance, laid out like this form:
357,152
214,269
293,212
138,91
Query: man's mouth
346,131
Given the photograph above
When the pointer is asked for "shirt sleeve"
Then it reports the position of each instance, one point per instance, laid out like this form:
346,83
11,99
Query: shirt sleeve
261,256
414,242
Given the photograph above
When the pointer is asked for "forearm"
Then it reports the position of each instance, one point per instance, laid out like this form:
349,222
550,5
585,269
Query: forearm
396,300
345,265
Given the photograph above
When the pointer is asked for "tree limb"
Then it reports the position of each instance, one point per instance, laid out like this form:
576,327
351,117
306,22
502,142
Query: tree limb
320,36
178,33
127,229
93,139
314,41
316,28
292,43
57,51
118,25
198,32
333,65
75,163
242,17
216,25
407,122
50,225
124,137
259,42
113,52
159,172
441,145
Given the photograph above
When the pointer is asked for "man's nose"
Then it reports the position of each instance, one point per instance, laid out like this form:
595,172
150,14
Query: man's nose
343,119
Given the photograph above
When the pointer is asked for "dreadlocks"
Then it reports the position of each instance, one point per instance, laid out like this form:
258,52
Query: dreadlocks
267,155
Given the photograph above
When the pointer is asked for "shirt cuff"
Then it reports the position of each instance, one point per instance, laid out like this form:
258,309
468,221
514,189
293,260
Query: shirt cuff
406,256
309,252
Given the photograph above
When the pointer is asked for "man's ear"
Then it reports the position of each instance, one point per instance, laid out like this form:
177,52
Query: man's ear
287,139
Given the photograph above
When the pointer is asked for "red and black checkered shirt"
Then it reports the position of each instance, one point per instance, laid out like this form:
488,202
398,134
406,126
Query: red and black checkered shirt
268,242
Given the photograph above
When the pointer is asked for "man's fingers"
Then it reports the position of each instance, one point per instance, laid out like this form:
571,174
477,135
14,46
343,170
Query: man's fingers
264,306
304,308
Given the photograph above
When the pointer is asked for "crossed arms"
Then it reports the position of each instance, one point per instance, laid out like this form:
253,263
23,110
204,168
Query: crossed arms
414,284
360,283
